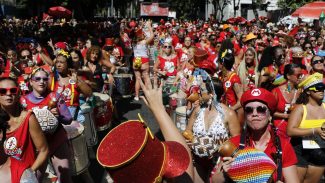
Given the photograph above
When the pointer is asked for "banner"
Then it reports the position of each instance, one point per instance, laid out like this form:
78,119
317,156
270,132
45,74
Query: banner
153,9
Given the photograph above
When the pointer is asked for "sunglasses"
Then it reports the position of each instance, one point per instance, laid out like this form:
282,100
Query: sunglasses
170,47
318,61
38,79
317,88
203,35
25,56
13,91
260,110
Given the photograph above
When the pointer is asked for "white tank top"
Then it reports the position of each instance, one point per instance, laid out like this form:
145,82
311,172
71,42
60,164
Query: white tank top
217,130
141,50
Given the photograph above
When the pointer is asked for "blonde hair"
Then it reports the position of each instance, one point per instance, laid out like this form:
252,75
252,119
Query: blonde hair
242,68
161,53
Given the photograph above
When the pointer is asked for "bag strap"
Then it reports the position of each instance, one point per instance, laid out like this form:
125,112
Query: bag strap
243,138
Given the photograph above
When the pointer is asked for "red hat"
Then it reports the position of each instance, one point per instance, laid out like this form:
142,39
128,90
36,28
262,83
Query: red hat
61,45
210,67
200,55
109,42
132,23
261,95
130,150
138,32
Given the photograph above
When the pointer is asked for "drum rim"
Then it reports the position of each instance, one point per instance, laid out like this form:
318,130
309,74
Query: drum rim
121,75
82,132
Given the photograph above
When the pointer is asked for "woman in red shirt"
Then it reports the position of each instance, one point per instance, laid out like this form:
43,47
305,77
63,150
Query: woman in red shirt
24,136
259,106
39,101
167,62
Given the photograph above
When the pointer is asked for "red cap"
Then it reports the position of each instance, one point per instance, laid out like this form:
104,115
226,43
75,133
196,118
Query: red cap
128,148
109,42
261,95
61,45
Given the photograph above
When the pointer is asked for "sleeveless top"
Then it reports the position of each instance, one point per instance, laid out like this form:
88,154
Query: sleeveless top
229,97
217,129
310,123
141,50
20,148
70,93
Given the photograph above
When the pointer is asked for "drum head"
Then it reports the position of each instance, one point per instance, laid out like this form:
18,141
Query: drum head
181,110
74,130
104,97
85,108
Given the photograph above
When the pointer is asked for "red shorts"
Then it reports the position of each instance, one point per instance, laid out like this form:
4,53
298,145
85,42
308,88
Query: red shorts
143,60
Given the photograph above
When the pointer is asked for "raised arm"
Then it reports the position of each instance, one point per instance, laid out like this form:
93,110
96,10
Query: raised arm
153,99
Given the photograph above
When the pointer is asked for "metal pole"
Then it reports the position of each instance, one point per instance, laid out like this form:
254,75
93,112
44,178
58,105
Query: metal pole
112,8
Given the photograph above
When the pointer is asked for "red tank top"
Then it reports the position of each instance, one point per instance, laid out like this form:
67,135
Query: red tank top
168,65
28,105
70,93
19,146
230,97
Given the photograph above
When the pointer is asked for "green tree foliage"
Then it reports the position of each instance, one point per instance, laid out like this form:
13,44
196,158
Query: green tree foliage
219,6
292,4
185,9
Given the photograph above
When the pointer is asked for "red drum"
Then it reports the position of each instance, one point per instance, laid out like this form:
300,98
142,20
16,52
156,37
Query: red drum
103,111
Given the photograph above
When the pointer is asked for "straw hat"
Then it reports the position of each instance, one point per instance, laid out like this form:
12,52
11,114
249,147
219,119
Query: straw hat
250,36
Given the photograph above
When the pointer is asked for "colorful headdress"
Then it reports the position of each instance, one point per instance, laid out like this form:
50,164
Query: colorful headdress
64,53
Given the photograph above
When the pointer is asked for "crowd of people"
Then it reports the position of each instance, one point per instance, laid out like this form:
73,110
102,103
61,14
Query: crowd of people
254,85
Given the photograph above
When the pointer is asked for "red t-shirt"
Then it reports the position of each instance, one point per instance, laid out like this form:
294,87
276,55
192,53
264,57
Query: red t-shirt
288,154
19,146
168,65
228,86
